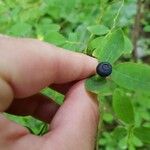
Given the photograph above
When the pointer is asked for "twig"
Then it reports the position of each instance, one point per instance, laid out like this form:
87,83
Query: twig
136,30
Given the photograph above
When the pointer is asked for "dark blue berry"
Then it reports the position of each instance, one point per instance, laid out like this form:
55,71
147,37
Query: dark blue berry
104,69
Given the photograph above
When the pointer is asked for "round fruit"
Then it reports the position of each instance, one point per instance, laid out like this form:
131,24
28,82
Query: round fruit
104,69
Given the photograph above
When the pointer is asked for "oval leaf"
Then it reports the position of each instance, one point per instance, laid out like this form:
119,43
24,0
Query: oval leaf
95,84
132,76
111,48
98,29
143,133
96,42
55,38
123,107
20,29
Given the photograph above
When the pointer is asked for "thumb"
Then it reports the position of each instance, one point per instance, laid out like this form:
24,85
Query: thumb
75,124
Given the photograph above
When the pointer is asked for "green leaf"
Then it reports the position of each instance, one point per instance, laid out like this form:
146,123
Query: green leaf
20,29
123,107
98,85
30,123
123,143
111,48
54,95
128,47
119,133
98,29
132,76
143,133
55,38
108,117
31,14
73,43
46,28
96,42
147,28
136,141
95,84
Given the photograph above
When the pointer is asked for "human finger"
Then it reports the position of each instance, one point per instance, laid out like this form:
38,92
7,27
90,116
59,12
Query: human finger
76,121
29,65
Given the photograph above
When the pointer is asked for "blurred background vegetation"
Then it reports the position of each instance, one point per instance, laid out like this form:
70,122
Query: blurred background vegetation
65,23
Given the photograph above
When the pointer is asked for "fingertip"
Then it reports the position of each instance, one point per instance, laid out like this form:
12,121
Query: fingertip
92,64
79,90
81,96
78,101
73,66
77,119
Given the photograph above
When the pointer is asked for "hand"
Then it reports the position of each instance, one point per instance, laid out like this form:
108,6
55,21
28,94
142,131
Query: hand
27,66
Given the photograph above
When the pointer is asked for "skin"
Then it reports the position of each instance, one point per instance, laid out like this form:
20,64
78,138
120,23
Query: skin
26,67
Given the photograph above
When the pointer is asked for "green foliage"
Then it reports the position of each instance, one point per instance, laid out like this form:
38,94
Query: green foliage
132,76
102,29
98,29
96,84
143,133
54,95
123,107
20,29
128,47
35,126
111,48
54,38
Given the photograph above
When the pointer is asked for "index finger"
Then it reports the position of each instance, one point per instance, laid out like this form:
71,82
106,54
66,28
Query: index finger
29,65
